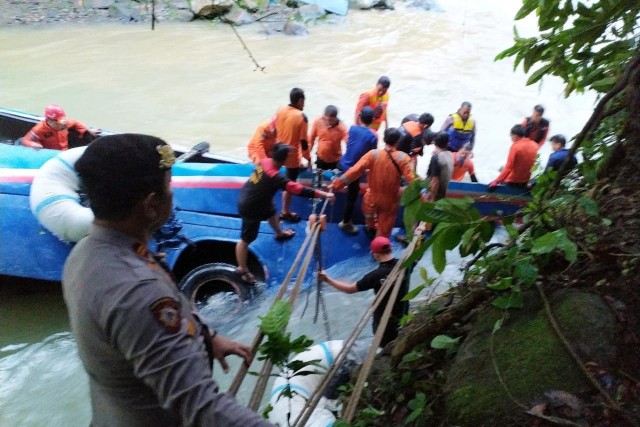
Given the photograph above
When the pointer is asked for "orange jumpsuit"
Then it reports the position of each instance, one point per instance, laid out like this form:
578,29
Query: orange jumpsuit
329,140
51,138
291,126
262,141
522,156
460,170
382,199
378,103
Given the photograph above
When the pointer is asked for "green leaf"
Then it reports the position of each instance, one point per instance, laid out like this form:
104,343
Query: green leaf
528,6
442,342
412,356
413,293
503,284
555,240
277,318
589,205
497,326
513,300
526,272
538,74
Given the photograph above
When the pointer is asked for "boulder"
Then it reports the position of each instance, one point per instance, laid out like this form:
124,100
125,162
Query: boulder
124,12
541,363
180,4
292,28
210,8
238,16
309,12
100,4
252,6
431,5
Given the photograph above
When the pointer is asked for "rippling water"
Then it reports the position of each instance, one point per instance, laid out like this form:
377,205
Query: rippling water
193,82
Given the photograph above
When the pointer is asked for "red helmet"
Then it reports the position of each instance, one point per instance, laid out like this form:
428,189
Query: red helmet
54,112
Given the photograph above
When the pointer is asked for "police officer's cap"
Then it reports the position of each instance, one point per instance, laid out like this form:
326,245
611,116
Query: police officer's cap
124,160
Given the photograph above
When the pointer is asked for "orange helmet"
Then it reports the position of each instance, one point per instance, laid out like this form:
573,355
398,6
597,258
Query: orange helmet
54,112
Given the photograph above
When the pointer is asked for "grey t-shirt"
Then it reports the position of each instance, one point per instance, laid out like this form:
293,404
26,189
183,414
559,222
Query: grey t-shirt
441,165
139,341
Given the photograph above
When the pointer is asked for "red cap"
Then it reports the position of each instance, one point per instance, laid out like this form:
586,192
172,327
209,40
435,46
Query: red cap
380,245
54,112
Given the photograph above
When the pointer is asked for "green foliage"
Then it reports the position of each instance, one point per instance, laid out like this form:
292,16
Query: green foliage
412,203
556,240
458,222
279,348
365,418
583,45
444,342
418,406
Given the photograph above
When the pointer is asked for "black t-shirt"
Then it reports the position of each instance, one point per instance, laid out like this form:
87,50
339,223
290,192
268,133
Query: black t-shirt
256,195
374,280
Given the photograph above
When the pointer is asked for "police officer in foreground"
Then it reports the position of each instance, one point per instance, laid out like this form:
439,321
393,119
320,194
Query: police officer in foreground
148,356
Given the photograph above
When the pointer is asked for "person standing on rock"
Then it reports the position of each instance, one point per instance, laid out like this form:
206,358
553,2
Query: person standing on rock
292,128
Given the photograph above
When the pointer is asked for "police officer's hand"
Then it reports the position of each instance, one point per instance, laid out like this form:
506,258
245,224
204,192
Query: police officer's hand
223,347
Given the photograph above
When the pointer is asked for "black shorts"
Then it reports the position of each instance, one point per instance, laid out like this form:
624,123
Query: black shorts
327,166
251,226
250,229
292,173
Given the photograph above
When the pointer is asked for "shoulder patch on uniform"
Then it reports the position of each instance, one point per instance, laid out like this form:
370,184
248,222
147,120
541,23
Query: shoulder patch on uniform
166,310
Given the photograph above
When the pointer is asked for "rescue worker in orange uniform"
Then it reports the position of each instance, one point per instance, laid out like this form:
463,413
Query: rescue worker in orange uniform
387,168
330,133
53,131
262,141
378,99
462,164
413,129
522,156
292,129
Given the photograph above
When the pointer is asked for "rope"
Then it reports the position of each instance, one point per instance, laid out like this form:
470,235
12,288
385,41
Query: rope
244,368
396,276
258,66
265,373
393,280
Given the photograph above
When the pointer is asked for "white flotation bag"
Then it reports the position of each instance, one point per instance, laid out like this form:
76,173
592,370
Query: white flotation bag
303,387
54,197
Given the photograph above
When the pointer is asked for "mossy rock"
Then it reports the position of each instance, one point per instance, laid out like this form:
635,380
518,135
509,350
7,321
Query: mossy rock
530,357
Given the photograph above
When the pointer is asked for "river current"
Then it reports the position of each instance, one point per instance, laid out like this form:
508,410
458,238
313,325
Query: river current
189,82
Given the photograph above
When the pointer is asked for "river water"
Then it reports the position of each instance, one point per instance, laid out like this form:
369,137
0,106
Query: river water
188,82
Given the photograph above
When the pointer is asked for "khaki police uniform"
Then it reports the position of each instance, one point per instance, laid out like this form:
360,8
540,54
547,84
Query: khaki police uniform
139,341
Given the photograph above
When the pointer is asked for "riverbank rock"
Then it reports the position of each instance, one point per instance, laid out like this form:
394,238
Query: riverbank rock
210,8
531,359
